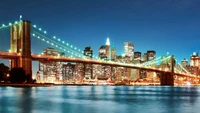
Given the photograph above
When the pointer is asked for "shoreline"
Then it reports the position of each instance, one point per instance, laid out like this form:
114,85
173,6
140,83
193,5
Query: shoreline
51,84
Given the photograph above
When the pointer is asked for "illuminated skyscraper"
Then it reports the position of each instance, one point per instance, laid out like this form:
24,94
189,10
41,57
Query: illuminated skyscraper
195,60
108,48
113,54
50,71
88,53
151,55
195,63
144,57
104,50
128,49
184,62
137,57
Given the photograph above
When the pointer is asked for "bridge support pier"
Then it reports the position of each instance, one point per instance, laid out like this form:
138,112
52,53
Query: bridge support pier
167,79
20,42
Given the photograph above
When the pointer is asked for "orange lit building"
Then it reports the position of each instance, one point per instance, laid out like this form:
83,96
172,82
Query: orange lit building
195,63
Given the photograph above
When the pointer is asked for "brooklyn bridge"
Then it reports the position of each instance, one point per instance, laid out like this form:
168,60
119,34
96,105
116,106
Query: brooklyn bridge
77,69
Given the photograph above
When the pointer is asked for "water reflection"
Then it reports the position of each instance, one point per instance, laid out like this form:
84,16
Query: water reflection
98,99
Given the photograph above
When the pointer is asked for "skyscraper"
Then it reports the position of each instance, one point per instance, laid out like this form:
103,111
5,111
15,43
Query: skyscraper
113,54
104,50
151,55
88,53
108,48
129,49
50,71
144,57
195,60
184,62
195,63
137,57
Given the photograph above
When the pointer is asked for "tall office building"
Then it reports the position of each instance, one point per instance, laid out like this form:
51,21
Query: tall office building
88,53
137,57
195,63
195,60
151,55
184,62
128,49
108,48
67,72
113,54
144,57
102,52
50,71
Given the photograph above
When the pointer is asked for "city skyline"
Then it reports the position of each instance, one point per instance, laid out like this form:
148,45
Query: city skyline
163,26
102,56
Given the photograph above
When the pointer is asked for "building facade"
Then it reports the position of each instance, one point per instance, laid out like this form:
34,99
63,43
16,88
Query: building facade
102,52
195,60
184,62
88,53
144,57
128,49
113,54
108,49
50,71
151,55
137,57
195,63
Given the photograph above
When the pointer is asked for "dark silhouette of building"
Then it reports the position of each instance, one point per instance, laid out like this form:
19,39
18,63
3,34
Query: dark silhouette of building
137,57
113,54
102,52
151,55
88,53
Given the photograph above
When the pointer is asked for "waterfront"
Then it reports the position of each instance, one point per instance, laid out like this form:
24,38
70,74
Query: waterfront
100,99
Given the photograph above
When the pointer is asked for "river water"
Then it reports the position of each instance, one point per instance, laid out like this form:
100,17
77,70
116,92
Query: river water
100,99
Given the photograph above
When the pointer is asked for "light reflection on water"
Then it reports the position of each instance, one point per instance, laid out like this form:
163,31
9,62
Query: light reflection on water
100,99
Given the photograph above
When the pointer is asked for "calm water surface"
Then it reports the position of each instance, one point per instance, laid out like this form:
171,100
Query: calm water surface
100,99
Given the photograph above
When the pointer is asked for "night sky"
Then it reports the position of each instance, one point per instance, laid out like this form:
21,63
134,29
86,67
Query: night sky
162,25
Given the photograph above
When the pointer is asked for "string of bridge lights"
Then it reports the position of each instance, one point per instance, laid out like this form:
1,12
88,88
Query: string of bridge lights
177,70
54,37
56,44
154,61
151,62
58,39
182,67
8,25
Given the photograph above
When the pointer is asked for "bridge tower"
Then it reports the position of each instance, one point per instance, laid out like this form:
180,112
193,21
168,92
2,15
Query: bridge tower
167,78
20,42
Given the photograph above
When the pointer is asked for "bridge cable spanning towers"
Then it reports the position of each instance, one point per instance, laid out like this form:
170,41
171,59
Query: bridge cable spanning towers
21,56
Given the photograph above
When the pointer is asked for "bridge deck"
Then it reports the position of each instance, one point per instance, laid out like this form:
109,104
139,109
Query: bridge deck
37,57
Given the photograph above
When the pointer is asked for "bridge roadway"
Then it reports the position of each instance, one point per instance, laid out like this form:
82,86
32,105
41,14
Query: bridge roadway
38,57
